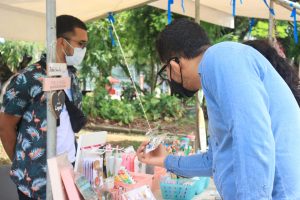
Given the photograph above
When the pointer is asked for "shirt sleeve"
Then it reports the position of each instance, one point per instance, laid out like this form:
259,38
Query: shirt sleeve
190,166
17,96
235,83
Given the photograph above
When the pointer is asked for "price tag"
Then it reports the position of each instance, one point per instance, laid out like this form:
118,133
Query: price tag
52,84
56,69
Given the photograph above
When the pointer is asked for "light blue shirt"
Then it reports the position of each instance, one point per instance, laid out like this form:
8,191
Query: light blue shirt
254,126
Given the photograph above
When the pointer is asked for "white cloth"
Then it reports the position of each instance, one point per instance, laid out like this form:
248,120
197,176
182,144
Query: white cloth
65,134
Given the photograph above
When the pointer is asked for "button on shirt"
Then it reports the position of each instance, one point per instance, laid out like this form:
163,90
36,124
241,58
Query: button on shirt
254,126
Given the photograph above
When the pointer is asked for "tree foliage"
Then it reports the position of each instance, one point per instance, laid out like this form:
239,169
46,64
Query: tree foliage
13,51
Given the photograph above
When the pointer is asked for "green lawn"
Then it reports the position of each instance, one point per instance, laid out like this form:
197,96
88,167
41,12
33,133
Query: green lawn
4,160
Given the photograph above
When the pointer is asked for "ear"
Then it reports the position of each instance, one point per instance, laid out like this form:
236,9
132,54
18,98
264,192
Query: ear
175,67
60,42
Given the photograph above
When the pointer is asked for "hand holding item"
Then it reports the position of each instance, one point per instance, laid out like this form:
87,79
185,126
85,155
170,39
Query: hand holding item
155,157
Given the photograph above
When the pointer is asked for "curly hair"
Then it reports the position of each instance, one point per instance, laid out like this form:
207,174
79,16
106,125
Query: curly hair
281,65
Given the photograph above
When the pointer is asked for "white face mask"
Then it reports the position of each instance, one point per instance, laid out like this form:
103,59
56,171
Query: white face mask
77,57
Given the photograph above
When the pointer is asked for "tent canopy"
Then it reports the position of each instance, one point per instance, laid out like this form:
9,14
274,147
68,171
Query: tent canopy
25,19
207,13
220,11
249,8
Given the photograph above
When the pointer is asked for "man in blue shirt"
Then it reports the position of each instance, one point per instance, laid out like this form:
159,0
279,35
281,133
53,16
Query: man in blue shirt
254,119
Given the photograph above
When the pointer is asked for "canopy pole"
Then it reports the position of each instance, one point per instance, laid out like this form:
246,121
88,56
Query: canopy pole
197,136
271,23
200,135
197,11
288,4
51,58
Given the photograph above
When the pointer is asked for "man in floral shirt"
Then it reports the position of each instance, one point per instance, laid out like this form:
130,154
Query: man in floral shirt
23,118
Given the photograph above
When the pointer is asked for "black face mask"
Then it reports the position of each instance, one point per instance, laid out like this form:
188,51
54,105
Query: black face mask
178,90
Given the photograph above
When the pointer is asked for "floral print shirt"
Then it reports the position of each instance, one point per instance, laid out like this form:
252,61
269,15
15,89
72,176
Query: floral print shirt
24,97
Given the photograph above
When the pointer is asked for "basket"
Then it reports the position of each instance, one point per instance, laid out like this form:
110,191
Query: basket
182,189
140,179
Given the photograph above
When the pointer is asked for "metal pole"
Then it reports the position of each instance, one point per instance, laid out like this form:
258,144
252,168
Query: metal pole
51,58
197,11
288,4
271,24
198,106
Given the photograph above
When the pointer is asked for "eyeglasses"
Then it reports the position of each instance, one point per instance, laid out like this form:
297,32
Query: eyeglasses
82,44
162,72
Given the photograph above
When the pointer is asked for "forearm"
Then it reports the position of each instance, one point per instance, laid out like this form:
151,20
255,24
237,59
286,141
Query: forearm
190,166
9,139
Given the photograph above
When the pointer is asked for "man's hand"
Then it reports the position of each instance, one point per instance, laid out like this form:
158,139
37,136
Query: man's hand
155,157
8,134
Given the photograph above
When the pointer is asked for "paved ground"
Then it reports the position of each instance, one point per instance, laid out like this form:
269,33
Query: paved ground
7,187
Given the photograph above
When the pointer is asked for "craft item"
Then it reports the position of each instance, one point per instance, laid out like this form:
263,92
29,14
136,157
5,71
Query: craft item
131,161
124,176
184,143
57,102
139,167
98,173
85,188
109,183
110,166
154,142
108,154
118,164
141,193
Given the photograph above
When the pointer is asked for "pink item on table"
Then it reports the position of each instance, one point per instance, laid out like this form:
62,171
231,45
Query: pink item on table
131,161
140,180
191,137
67,176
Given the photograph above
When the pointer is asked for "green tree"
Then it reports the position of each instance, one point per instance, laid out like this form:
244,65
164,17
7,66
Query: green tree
140,28
12,52
101,55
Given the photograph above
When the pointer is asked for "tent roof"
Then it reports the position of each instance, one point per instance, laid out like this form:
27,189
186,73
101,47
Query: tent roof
26,20
220,11
249,8
207,13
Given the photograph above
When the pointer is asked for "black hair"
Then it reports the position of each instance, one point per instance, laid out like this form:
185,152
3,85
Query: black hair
281,65
66,24
181,38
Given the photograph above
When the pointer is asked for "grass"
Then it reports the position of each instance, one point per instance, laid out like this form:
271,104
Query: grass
4,160
123,140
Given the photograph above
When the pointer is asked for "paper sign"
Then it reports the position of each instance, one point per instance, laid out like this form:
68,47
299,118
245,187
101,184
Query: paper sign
141,193
56,69
51,84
